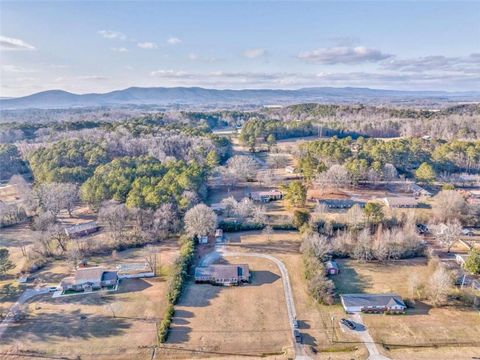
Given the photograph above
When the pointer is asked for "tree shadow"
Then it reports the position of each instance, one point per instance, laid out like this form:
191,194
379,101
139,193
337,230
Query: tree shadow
46,327
10,292
349,281
179,329
262,277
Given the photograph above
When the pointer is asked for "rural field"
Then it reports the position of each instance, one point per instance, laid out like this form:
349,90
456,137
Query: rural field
232,321
423,332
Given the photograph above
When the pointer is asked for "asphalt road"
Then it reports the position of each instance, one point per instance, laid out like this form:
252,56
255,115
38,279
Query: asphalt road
220,251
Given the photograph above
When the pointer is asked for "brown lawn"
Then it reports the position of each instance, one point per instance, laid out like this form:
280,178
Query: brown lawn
232,321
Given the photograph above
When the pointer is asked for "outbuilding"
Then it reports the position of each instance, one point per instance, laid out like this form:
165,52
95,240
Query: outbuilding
331,267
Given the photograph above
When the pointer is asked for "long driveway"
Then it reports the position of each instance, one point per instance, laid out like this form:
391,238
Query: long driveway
26,295
367,340
220,251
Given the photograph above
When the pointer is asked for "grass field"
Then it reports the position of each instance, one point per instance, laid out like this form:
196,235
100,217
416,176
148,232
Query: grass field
232,321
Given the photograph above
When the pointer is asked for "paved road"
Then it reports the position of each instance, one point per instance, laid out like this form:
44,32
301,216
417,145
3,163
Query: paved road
367,339
27,295
220,251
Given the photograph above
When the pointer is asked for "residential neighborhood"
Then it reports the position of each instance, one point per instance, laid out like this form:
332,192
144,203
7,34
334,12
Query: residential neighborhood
230,180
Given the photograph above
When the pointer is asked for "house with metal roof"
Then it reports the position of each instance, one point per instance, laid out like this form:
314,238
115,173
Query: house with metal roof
223,274
373,303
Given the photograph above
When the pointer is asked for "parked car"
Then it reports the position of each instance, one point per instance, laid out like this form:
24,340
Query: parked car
467,232
52,289
295,324
348,323
298,336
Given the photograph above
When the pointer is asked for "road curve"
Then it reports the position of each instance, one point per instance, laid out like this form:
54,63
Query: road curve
220,251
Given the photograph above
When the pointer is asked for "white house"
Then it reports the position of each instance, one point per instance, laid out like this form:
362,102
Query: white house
390,303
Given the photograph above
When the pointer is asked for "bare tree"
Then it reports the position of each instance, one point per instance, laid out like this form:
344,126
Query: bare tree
268,232
150,255
115,218
355,216
316,245
335,177
277,160
390,173
439,286
242,167
449,205
200,221
447,233
69,198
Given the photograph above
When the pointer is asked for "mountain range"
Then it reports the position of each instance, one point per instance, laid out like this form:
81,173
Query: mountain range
196,96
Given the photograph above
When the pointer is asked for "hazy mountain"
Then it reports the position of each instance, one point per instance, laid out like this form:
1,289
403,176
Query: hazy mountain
208,97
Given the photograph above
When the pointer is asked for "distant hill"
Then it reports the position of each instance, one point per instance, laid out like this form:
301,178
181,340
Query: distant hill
196,96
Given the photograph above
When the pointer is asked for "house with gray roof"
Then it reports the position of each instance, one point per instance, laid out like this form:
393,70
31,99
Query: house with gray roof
87,279
375,303
231,274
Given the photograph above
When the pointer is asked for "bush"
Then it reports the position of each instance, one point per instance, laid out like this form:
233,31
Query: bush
300,217
229,226
165,323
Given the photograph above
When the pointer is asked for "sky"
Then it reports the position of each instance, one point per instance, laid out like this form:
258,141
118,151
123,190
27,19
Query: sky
100,46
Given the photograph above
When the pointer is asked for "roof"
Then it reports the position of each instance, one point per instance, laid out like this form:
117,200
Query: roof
267,193
222,271
381,300
81,227
341,202
401,201
92,274
332,264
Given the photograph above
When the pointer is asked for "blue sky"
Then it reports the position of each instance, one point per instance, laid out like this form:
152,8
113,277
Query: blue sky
101,46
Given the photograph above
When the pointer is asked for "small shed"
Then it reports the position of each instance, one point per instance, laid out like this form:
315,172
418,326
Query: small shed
331,267
203,239
219,235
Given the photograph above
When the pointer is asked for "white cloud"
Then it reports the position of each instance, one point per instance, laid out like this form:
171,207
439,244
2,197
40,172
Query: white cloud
147,45
169,73
12,44
110,34
16,69
343,55
92,77
465,64
173,40
120,49
254,53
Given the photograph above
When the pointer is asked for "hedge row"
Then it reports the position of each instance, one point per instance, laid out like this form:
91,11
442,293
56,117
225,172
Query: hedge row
175,284
235,226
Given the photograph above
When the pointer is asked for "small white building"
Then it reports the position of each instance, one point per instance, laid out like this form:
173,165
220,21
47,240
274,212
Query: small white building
203,239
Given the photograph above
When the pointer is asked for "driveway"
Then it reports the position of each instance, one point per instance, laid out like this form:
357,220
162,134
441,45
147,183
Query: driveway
367,339
27,295
221,251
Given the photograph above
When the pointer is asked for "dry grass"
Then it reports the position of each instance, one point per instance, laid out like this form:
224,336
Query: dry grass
98,325
422,325
250,319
